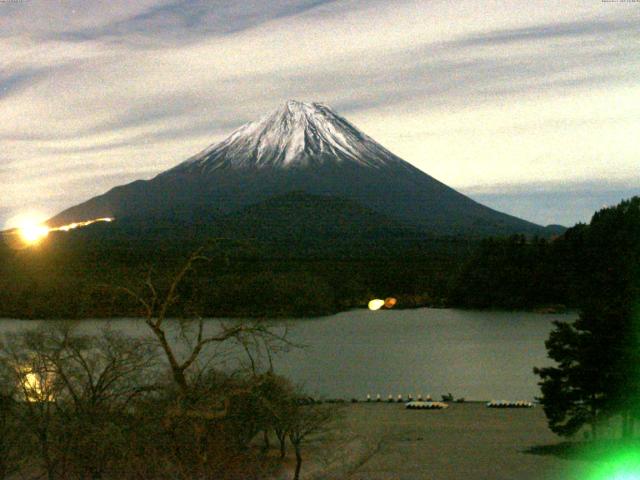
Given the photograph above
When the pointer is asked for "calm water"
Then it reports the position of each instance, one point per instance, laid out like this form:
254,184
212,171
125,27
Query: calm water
477,355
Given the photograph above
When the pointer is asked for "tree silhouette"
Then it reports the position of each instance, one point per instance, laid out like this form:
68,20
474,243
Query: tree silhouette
598,356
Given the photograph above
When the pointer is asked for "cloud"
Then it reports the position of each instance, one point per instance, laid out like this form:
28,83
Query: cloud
552,31
565,203
190,20
12,81
468,93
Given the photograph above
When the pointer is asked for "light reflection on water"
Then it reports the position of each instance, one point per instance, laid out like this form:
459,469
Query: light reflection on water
477,355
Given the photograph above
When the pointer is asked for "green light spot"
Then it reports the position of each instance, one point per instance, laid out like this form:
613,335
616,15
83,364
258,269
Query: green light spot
623,465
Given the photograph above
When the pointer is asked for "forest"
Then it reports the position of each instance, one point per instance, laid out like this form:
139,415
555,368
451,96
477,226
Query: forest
596,373
295,273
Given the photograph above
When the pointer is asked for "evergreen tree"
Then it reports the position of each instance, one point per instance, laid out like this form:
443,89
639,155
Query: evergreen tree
598,356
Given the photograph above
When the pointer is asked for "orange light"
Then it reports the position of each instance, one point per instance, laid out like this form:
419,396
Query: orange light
32,233
74,225
390,302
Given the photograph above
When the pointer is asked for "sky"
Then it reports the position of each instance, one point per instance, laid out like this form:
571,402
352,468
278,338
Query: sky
531,107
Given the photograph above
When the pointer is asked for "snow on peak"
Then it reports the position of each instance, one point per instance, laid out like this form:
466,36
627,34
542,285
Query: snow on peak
293,135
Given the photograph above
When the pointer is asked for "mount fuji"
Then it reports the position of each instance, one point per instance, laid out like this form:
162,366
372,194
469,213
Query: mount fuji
307,149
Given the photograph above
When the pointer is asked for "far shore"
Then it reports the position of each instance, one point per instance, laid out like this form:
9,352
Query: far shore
542,310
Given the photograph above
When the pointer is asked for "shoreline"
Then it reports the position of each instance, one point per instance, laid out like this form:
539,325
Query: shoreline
537,310
464,441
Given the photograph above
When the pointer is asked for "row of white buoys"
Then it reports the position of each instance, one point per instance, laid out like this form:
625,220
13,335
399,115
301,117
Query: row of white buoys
426,405
509,404
399,398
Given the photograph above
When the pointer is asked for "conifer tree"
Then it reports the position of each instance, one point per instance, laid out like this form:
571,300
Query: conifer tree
598,356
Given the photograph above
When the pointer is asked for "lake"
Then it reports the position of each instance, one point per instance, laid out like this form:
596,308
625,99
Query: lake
478,355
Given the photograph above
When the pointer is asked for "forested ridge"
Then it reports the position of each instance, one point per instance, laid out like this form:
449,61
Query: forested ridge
304,270
596,372
73,277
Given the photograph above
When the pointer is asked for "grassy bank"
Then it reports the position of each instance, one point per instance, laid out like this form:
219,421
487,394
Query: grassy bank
384,441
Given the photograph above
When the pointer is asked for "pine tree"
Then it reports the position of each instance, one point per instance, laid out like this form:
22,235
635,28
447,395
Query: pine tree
598,356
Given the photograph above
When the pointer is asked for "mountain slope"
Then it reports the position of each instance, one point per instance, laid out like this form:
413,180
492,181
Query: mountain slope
298,216
307,148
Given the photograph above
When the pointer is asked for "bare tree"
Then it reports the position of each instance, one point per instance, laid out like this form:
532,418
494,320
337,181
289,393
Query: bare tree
205,418
9,435
278,402
304,421
26,358
73,391
94,406
100,375
156,306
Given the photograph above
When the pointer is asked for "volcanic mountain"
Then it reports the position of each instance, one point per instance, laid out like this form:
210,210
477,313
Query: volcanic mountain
308,149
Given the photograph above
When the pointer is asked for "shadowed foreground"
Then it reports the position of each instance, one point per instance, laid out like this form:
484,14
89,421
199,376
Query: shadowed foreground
385,441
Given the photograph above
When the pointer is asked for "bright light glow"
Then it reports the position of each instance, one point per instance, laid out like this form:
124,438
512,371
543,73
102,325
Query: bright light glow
376,304
390,302
32,384
623,464
71,226
32,233
34,387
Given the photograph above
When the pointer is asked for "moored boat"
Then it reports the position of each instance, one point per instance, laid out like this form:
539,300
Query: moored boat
509,404
417,405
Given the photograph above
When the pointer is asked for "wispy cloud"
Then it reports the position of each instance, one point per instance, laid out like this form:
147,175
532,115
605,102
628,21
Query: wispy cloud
191,20
563,29
470,93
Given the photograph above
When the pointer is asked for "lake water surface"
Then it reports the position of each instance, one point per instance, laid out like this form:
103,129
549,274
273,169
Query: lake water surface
472,354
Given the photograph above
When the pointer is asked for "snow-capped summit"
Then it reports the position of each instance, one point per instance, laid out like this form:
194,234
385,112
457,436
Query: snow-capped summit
296,134
304,148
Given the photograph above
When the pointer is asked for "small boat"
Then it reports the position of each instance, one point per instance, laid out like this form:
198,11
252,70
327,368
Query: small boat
416,405
509,404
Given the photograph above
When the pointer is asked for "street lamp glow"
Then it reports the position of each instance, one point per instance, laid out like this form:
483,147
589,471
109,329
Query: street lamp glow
376,304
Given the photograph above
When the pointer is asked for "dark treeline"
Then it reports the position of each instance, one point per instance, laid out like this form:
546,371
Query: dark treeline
596,376
519,272
300,268
74,275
